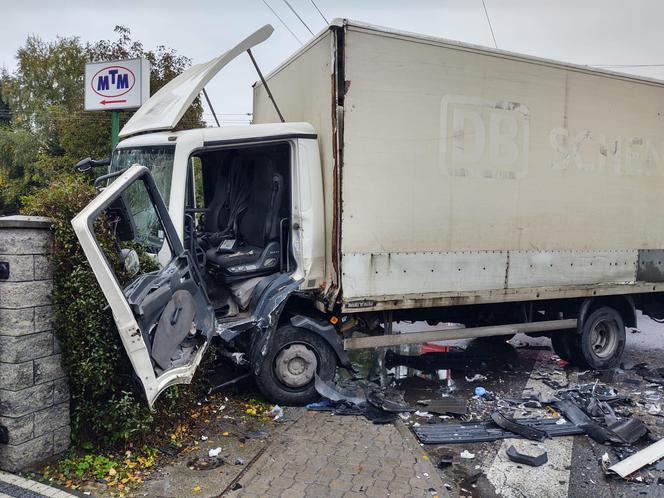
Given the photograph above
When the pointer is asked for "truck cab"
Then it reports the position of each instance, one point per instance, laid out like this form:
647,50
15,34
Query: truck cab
232,221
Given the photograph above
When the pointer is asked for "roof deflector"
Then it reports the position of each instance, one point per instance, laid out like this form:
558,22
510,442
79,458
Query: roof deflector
165,108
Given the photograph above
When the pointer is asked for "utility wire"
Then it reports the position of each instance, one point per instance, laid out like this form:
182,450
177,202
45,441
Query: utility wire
489,21
321,14
298,16
282,22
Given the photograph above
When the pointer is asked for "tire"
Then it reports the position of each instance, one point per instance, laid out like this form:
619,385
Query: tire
286,376
601,343
561,343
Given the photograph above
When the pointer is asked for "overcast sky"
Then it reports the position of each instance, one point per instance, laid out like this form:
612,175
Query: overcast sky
580,31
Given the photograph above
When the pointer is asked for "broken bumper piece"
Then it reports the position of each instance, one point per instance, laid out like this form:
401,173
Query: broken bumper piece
479,432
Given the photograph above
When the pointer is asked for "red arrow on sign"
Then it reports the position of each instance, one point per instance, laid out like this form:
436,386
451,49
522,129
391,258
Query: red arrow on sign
104,102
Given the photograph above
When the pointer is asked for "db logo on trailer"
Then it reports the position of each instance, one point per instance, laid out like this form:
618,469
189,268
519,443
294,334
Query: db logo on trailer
112,82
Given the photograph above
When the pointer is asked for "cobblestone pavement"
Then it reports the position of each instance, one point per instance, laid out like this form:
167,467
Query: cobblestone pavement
15,486
343,456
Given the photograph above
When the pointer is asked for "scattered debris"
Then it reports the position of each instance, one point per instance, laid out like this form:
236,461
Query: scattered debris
170,449
335,393
475,378
654,409
531,460
205,463
605,462
257,434
214,452
480,391
467,454
277,412
522,430
485,431
445,460
239,461
451,405
639,459
387,399
629,430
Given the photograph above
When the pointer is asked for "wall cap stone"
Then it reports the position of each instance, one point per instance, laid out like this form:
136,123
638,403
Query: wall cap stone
20,221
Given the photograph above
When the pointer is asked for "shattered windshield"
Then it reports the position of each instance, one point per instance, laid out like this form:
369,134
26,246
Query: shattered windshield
159,160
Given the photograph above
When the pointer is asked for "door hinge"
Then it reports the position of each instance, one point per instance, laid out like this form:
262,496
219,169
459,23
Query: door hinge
4,270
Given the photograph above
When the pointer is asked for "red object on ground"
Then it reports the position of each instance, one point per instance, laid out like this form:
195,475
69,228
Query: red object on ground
429,347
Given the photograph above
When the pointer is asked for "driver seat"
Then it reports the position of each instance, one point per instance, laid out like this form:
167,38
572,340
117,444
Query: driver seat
255,250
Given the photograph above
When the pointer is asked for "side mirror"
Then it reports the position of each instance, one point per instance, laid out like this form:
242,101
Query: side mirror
88,163
84,164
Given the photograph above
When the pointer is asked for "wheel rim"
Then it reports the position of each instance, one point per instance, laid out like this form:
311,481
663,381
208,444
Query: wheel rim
604,338
295,365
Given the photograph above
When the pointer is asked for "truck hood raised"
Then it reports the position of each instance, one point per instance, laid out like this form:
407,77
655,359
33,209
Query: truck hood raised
165,108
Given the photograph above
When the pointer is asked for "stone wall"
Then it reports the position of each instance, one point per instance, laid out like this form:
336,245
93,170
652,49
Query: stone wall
34,397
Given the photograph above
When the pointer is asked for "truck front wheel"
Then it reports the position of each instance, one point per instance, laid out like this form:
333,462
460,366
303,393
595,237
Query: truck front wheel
601,343
287,374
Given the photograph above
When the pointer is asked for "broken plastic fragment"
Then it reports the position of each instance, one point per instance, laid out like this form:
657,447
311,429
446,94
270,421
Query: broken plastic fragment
639,459
654,409
277,412
480,391
214,452
531,460
445,460
475,378
467,454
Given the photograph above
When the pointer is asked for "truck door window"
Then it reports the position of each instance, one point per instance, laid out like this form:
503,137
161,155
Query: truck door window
158,159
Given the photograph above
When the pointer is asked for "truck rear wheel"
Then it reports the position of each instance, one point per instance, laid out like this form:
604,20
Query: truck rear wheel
601,343
287,374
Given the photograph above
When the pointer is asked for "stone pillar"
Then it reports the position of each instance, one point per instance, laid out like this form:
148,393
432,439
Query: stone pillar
34,396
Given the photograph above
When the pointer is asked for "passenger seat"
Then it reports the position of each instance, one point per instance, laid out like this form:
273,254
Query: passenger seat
256,248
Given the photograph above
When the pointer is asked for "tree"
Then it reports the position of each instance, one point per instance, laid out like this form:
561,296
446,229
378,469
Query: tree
49,131
5,111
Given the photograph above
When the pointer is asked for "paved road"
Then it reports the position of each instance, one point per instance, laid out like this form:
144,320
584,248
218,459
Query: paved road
17,487
326,455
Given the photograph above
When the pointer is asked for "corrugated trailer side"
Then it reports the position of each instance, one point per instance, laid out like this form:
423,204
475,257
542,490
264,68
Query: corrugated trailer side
472,175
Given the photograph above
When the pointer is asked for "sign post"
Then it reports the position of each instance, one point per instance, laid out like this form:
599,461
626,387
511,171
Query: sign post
115,129
114,86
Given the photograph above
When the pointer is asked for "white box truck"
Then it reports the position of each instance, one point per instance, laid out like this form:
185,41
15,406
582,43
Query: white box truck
386,176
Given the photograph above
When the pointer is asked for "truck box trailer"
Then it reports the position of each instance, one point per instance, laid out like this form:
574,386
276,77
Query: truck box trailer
457,174
414,178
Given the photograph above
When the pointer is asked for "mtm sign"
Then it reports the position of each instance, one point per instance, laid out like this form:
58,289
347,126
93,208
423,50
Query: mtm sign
117,84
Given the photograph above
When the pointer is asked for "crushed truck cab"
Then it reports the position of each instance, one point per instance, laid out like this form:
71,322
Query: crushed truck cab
418,179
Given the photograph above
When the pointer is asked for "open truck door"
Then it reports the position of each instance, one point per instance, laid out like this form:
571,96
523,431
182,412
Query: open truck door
164,316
